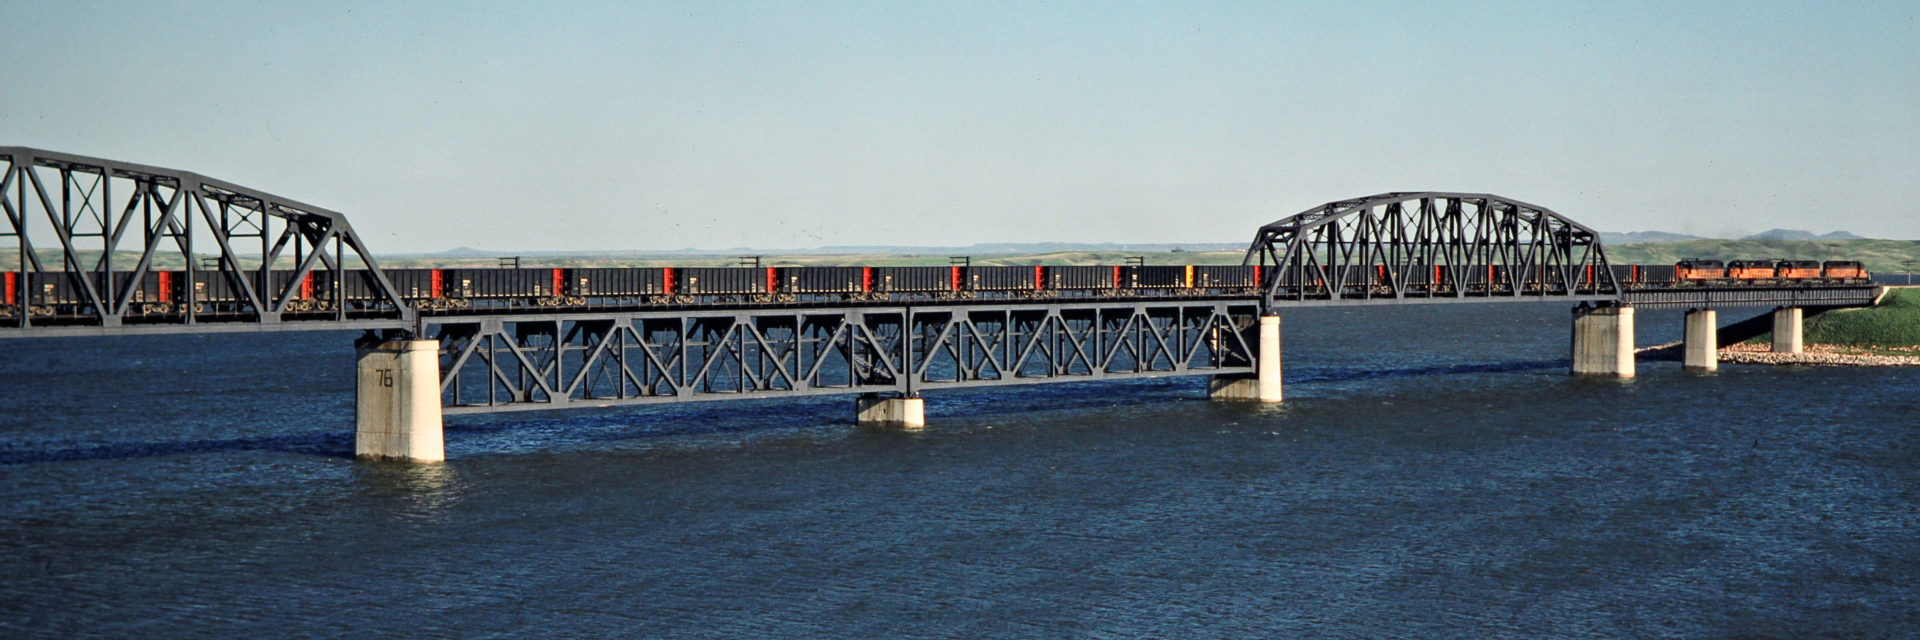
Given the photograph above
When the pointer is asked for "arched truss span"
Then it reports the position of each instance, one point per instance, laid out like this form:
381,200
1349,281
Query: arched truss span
237,252
1426,245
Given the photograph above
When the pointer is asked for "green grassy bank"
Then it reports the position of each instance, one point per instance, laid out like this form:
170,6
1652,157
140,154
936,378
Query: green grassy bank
1895,322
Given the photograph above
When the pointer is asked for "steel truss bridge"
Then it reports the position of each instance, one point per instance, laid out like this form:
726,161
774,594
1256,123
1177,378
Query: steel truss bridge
1435,247
108,223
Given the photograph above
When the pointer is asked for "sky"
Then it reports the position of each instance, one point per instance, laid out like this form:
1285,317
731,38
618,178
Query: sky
641,126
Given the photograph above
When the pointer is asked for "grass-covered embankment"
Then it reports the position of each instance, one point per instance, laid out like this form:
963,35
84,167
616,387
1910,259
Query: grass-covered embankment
1894,323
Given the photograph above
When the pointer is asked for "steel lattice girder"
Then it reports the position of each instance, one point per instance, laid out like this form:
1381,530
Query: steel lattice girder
1833,296
97,202
1314,254
558,361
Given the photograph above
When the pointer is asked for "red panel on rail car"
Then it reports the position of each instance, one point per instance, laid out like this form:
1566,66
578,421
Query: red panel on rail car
1039,277
559,283
956,279
165,280
866,279
439,283
773,279
670,280
11,285
306,286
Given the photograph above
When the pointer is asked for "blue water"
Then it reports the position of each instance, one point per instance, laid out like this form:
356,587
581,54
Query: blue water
1433,473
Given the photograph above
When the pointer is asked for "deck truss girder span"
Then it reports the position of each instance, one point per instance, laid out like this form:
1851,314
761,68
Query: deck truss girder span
560,361
1429,245
73,221
1705,298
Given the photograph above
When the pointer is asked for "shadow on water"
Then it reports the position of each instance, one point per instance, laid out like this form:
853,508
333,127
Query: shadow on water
331,444
1346,375
704,419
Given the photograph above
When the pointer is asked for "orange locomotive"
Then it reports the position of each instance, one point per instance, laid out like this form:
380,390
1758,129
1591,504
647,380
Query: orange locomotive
1696,271
1798,270
1845,271
1751,270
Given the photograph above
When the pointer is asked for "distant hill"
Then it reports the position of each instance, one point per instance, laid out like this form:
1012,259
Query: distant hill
1781,234
462,252
1029,248
1795,234
1655,237
1641,237
996,248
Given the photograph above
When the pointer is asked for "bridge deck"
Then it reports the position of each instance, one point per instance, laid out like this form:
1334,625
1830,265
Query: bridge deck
1650,298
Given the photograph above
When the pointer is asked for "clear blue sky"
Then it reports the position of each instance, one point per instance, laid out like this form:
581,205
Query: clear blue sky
641,126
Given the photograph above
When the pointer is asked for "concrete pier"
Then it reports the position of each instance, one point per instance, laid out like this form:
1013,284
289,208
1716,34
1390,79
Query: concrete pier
1787,324
1235,387
1264,385
1268,365
1603,341
1701,345
397,402
905,413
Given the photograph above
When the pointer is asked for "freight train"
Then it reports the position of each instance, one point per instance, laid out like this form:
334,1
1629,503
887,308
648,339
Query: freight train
161,293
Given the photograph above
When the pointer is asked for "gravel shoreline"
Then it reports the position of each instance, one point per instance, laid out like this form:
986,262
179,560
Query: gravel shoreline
1816,355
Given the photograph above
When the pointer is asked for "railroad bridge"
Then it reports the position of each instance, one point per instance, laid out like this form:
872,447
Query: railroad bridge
113,248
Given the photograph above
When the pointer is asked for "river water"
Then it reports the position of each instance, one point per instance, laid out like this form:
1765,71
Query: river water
1433,473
